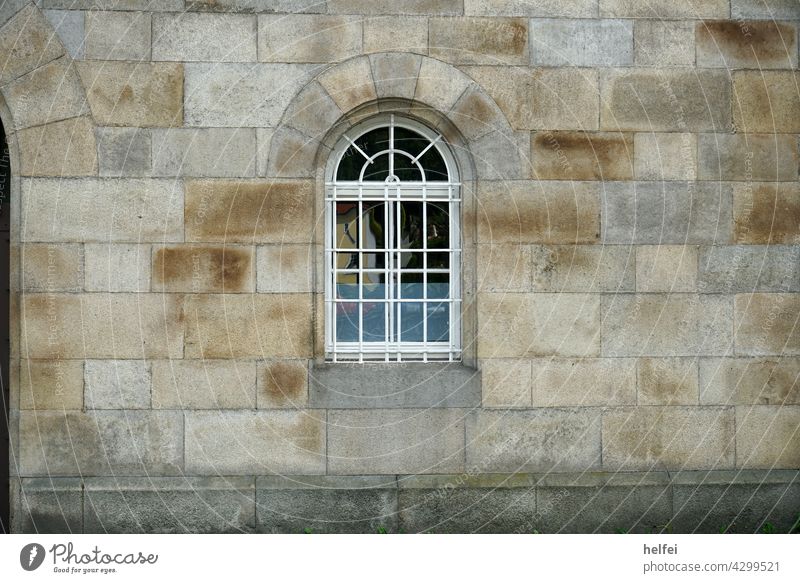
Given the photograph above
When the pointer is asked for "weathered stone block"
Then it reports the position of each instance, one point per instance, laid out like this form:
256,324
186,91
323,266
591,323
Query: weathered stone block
204,384
392,441
349,84
767,324
117,267
666,268
134,94
583,268
475,114
582,155
248,325
731,44
52,267
664,9
117,384
768,437
680,213
263,144
101,443
506,382
542,324
437,87
51,384
249,212
199,268
766,213
540,440
124,151
389,33
280,6
529,212
294,154
395,74
750,381
161,6
541,8
668,438
766,101
659,43
255,442
117,36
665,100
747,157
285,268
49,505
101,210
749,268
169,505
308,38
478,41
504,267
510,88
39,45
667,381
282,384
312,112
206,152
564,99
398,7
773,9
583,382
581,43
69,26
101,326
326,504
192,36
62,148
501,155
665,156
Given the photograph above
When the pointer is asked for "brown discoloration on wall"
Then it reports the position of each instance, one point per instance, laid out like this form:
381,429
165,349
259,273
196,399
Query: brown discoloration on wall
582,155
767,324
757,44
52,267
46,384
248,212
751,381
767,213
766,101
667,381
479,40
197,268
283,383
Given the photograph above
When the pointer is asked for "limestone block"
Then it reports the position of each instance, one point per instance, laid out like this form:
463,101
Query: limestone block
667,381
52,267
749,268
117,267
437,86
583,382
199,268
204,384
389,33
766,213
61,148
191,36
747,157
750,381
766,324
583,268
395,74
69,25
659,43
117,384
286,268
564,99
124,151
766,101
204,152
51,384
294,155
40,45
349,84
504,267
308,38
117,36
581,43
665,156
282,384
731,44
506,382
666,268
582,156
767,437
479,41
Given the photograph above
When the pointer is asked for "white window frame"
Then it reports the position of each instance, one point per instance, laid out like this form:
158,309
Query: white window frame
388,191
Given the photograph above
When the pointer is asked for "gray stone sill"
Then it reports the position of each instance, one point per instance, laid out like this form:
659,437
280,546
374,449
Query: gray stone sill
393,385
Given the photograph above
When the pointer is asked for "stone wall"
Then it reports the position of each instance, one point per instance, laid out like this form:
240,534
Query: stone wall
632,292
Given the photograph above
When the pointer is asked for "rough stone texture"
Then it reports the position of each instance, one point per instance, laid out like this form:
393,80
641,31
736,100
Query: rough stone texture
308,38
51,384
542,8
248,325
50,505
204,37
667,381
293,154
52,267
539,440
101,210
124,151
395,74
746,45
161,6
668,438
101,443
198,268
766,101
312,112
134,94
664,9
475,114
249,212
101,326
389,33
397,7
666,268
766,213
747,157
749,268
665,100
767,437
658,213
203,384
584,382
256,5
117,36
582,156
40,46
437,86
62,148
564,99
384,441
504,267
69,25
581,43
282,384
349,84
543,324
767,324
169,505
477,41
658,43
285,268
529,212
773,9
666,325
204,152
255,442
665,156
326,504
117,267
506,382
749,381
117,384
583,268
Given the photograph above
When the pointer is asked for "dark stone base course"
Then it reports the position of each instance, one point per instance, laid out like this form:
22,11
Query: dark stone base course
748,501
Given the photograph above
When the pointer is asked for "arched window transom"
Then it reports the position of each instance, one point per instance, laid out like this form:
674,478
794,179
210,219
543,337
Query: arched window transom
392,245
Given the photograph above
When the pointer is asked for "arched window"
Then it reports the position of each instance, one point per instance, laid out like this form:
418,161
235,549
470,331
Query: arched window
392,245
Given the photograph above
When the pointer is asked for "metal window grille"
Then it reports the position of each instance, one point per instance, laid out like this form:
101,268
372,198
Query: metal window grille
392,245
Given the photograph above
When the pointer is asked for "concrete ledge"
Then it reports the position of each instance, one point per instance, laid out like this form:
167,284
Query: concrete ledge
393,385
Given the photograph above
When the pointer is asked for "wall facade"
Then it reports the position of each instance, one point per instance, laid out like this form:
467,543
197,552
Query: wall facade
631,285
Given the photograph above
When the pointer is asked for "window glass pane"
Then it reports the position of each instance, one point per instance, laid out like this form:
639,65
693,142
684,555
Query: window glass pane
374,319
370,143
438,285
346,321
346,285
409,141
378,170
411,285
411,261
374,285
438,322
411,327
347,225
374,225
438,260
410,234
405,170
434,166
438,225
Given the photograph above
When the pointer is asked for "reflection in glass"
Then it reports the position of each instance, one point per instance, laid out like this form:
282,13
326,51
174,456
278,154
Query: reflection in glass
438,225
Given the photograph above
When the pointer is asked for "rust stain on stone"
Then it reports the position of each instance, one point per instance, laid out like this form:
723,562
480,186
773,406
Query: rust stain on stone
202,269
751,41
284,383
582,156
770,215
